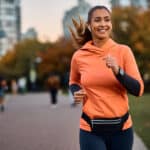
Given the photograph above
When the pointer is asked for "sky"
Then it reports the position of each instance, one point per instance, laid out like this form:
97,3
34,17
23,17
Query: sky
46,16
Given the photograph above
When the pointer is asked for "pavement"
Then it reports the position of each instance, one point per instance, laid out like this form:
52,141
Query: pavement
31,123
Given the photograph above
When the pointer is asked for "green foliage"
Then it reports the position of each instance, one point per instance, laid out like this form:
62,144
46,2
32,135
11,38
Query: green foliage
140,112
131,26
56,58
17,61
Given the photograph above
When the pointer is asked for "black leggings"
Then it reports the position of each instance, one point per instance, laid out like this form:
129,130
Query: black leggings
53,94
122,140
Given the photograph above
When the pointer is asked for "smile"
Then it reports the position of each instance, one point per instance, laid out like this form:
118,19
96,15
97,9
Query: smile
102,30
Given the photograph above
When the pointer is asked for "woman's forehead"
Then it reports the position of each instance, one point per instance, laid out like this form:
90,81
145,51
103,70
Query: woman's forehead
100,12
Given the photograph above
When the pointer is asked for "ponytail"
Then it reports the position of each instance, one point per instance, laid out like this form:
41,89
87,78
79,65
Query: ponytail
81,34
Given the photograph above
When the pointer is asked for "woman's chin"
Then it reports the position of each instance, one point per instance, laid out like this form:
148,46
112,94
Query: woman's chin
103,37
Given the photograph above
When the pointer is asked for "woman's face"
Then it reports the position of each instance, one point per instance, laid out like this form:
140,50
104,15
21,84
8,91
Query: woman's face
100,24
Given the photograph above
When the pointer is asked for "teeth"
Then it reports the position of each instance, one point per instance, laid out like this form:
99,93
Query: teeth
101,30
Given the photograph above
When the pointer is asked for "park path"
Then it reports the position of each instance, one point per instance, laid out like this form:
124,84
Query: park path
30,123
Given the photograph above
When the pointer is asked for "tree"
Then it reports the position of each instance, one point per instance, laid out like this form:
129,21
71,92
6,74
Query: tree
56,58
17,62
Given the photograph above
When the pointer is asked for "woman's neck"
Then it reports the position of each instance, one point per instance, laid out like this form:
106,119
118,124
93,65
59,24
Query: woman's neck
99,42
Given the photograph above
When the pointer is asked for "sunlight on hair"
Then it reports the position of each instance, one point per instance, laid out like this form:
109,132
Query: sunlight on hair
79,33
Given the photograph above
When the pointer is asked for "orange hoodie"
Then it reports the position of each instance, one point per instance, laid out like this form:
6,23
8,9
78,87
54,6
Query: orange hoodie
106,97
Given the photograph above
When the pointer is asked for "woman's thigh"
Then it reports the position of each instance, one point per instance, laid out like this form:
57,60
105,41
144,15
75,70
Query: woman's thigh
123,140
89,141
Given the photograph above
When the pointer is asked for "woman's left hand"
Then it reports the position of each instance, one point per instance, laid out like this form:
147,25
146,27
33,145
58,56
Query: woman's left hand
111,62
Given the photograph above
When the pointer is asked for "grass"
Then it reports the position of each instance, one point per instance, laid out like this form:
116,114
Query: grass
140,111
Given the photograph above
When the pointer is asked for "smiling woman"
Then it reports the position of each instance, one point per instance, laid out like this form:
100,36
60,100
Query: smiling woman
102,73
100,26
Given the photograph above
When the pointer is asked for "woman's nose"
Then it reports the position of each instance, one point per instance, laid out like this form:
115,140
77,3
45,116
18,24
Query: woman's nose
102,23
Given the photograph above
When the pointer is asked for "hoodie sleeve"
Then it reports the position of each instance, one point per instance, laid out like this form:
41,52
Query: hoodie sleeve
131,68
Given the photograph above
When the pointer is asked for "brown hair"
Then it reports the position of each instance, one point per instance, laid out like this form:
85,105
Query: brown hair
81,35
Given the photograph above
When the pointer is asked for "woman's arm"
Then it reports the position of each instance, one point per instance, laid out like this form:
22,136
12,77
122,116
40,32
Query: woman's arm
132,85
130,77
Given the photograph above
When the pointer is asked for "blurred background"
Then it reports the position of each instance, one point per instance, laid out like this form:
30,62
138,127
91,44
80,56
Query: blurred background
35,42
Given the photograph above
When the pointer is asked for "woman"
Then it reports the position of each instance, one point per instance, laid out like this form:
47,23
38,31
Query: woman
102,72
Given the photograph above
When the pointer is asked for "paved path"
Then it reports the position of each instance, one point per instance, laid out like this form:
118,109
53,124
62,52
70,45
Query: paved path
30,123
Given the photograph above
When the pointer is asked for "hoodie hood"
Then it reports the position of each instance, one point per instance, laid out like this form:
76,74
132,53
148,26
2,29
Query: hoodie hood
90,47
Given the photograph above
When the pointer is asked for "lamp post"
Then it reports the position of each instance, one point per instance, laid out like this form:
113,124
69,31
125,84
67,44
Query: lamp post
2,35
33,73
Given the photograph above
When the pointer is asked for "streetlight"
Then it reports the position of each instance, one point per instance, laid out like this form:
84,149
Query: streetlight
33,73
38,60
2,35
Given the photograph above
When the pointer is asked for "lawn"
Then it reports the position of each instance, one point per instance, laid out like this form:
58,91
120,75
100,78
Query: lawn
140,110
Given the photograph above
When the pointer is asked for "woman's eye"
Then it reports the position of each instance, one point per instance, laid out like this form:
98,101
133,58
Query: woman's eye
107,20
100,19
97,20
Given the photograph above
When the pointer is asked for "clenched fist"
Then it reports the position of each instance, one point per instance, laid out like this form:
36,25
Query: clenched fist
112,63
79,96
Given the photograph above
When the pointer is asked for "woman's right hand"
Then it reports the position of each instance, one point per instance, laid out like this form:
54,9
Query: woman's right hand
79,96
